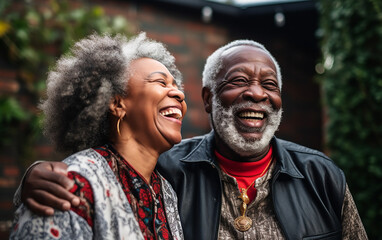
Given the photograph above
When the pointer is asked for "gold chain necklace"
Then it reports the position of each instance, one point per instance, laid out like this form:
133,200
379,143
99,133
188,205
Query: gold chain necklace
243,223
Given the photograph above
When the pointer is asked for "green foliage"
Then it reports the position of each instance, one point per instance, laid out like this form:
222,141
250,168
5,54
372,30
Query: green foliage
352,86
33,34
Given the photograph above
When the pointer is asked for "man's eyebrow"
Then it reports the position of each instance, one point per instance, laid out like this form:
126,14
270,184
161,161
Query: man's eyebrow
267,73
240,69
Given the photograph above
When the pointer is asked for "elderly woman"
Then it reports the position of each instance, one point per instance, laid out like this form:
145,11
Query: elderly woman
117,105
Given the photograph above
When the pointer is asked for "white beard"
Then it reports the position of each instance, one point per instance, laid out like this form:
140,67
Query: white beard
223,120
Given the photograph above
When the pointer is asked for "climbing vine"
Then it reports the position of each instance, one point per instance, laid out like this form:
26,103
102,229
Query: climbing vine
352,86
33,34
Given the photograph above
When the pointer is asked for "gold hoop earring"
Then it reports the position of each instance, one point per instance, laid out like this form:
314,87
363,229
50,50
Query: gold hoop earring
119,132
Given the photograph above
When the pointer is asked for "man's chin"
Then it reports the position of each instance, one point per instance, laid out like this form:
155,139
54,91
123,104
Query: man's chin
251,137
243,145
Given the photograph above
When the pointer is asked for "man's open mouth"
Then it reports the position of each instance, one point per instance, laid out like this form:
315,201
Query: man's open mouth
251,115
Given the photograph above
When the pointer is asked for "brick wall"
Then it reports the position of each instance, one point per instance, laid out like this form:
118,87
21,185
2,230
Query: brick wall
9,169
187,38
191,41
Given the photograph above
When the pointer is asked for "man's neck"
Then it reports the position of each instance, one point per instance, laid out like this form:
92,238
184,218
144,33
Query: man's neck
227,152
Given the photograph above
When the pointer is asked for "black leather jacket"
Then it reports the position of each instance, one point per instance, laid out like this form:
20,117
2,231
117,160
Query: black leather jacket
307,189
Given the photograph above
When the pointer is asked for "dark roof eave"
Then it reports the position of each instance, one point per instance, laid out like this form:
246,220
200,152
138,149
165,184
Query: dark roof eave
247,10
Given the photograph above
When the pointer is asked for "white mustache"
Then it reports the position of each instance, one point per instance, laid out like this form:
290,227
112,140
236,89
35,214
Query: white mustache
263,106
223,121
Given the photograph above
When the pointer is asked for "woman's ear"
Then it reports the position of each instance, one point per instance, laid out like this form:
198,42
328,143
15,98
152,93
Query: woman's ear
117,107
207,98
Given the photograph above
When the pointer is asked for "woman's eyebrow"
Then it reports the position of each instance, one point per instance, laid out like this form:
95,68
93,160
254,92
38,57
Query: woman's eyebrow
157,72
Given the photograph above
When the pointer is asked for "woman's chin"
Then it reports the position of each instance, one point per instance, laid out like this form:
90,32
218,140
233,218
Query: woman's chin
175,139
169,139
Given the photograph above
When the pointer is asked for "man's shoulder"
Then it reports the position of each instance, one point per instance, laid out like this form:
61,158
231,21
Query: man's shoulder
296,148
182,154
310,163
303,156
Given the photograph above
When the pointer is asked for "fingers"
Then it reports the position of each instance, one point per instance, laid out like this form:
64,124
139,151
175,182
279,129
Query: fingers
59,167
53,195
62,180
51,171
59,185
75,201
44,202
38,208
47,187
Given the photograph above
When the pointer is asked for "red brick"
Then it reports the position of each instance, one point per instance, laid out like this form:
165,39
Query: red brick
8,183
8,74
6,204
4,159
9,86
44,150
11,171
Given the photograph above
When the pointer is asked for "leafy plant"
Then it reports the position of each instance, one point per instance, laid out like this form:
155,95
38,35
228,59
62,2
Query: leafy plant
352,87
34,34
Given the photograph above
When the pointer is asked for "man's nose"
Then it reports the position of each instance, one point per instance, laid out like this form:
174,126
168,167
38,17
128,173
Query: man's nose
255,92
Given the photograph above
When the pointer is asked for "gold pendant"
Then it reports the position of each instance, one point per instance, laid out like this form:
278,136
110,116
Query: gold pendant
243,223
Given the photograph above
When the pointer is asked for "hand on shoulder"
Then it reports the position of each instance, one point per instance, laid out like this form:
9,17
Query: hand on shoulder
46,187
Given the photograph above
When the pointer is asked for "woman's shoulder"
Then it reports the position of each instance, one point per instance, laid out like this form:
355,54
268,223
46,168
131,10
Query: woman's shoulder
87,160
91,165
85,156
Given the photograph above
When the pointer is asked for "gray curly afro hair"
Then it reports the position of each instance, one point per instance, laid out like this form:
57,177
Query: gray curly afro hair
214,62
82,84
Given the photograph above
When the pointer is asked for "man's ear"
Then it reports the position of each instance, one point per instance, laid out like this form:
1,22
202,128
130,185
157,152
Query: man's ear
117,107
207,99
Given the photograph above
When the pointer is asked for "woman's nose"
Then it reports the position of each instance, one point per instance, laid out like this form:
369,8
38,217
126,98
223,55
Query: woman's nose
176,93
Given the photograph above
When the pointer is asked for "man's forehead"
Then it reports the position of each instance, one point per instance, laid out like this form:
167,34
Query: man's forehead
244,53
241,48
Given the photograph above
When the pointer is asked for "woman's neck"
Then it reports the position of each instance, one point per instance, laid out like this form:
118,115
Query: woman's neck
141,158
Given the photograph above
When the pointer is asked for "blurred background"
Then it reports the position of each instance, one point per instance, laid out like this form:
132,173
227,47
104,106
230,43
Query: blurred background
330,53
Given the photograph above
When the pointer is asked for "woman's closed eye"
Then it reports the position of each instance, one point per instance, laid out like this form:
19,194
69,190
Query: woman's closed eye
161,82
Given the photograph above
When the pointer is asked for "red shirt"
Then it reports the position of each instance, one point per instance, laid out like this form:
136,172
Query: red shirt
246,173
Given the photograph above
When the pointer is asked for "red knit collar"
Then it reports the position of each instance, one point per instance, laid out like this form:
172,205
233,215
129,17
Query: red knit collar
244,169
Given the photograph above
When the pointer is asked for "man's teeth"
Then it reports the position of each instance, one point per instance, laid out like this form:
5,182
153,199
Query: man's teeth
251,115
172,112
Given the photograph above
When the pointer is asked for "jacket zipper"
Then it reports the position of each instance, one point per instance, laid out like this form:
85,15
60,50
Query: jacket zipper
220,206
274,207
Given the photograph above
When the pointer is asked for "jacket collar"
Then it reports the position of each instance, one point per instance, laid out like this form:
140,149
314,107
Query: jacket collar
285,163
204,152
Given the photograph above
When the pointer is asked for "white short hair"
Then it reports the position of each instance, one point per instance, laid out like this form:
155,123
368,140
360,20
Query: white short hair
214,62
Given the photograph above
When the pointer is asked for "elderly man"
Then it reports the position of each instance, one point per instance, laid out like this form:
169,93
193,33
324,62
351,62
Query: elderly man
239,181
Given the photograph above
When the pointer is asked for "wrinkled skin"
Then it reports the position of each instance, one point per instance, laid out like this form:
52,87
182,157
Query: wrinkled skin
251,78
248,78
46,187
152,91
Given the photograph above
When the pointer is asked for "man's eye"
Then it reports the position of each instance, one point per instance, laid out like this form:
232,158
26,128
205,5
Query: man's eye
238,81
270,84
